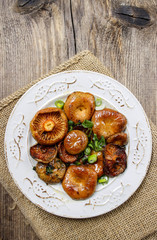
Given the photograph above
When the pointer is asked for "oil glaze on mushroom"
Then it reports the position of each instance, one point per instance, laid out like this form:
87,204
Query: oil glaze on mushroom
79,106
108,122
75,142
79,182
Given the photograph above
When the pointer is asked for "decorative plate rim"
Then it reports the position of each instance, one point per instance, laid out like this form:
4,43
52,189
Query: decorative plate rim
73,72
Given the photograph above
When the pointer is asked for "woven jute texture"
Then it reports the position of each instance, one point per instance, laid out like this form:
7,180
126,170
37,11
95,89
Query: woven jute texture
135,219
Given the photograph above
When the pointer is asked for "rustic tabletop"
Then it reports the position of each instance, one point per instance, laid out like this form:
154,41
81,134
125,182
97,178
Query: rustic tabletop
121,33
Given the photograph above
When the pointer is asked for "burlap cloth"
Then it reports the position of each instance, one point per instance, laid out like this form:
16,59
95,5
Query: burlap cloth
135,219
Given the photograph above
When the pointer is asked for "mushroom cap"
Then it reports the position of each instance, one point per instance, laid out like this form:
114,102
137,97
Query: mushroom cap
108,122
58,171
75,142
119,139
98,166
64,155
115,160
44,154
79,106
79,182
49,126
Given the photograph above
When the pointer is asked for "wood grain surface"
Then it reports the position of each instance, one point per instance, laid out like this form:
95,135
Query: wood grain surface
124,38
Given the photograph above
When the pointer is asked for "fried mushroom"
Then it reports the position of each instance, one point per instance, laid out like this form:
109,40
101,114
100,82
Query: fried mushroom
115,160
108,122
44,154
79,106
64,155
98,166
79,182
119,139
52,172
49,126
75,142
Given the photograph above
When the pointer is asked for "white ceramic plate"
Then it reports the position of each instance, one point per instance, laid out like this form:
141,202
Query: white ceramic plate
18,140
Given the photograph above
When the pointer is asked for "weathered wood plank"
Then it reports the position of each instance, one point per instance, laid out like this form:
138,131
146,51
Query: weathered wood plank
31,45
128,52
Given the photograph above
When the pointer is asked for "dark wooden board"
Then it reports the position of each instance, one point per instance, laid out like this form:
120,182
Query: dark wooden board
123,38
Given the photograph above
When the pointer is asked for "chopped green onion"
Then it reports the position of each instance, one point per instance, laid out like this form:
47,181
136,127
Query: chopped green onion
91,145
92,158
71,123
77,163
84,159
87,124
87,151
80,155
98,144
95,138
34,168
70,128
98,102
59,104
103,179
89,133
102,141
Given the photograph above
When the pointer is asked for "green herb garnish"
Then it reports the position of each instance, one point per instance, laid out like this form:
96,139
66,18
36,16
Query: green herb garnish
98,102
34,168
59,104
87,151
103,179
80,155
91,144
87,124
102,141
70,128
70,123
77,163
92,158
97,144
89,133
84,159
48,170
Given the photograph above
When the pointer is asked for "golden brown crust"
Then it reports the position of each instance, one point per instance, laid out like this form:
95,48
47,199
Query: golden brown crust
58,171
44,154
98,166
64,155
115,160
60,128
79,182
119,139
79,106
108,122
75,142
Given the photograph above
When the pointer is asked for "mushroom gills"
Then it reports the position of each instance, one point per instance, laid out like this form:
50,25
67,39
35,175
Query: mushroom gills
44,154
49,126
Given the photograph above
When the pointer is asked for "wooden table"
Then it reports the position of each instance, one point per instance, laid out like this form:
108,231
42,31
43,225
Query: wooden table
122,37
